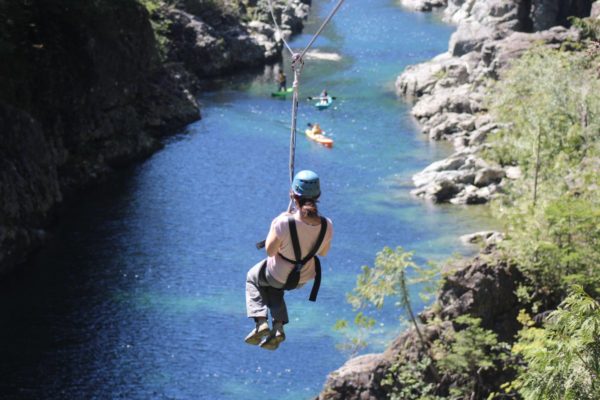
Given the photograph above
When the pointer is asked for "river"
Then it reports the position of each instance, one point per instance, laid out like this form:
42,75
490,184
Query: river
141,293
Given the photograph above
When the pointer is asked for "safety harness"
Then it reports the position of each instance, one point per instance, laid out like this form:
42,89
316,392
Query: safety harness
299,262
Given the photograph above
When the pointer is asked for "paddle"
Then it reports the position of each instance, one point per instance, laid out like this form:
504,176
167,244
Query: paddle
319,98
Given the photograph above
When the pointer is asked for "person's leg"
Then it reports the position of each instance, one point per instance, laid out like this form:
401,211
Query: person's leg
256,304
279,314
256,294
277,305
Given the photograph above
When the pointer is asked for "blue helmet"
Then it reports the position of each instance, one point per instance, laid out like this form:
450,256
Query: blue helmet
306,184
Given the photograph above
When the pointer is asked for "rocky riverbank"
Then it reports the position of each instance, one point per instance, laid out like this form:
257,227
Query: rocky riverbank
87,87
449,92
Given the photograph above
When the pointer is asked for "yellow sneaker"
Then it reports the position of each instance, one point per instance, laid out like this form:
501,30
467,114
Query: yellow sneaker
273,340
258,333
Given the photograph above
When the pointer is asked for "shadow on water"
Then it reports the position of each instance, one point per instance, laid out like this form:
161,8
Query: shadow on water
141,294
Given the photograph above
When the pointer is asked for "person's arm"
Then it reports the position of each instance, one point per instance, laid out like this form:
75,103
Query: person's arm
327,244
273,243
325,249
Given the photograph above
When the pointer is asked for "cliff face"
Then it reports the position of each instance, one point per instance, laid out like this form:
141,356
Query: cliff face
82,91
86,87
210,41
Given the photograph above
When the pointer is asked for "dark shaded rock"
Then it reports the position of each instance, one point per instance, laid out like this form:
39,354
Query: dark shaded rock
82,91
207,51
28,184
484,288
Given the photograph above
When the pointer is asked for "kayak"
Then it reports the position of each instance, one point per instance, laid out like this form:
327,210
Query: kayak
321,139
283,93
323,105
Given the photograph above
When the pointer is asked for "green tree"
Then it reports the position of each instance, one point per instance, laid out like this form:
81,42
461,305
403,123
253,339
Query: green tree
562,359
549,106
465,353
387,279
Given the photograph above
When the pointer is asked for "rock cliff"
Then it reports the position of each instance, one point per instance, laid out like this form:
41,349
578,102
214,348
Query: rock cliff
87,87
449,91
481,287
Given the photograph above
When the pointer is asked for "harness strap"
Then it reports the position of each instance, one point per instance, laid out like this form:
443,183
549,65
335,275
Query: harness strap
300,262
295,242
317,283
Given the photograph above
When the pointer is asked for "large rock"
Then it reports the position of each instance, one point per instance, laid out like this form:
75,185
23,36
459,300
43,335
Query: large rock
595,10
423,5
419,79
496,14
207,51
360,378
498,54
485,288
484,237
469,36
487,176
462,178
456,100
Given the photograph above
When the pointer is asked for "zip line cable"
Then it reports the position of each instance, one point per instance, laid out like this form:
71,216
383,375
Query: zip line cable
297,65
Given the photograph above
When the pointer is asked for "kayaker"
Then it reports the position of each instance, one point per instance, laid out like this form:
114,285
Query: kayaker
281,81
266,280
317,129
323,97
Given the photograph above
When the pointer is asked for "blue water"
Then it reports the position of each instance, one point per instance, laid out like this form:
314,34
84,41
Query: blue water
141,295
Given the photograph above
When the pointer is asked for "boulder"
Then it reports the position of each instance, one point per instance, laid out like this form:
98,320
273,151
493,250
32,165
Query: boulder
422,5
484,288
483,237
595,11
419,79
487,176
360,378
442,186
497,54
469,36
445,100
513,172
448,124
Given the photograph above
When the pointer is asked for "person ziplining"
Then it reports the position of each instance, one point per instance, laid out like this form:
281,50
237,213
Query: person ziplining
293,243
295,238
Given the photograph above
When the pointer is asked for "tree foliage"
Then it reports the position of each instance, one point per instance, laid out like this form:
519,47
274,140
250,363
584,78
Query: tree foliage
462,353
562,359
549,107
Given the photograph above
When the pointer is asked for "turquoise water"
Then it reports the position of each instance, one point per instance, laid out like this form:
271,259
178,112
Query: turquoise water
141,296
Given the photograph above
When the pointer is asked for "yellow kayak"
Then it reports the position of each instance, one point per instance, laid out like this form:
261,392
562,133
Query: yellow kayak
321,139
